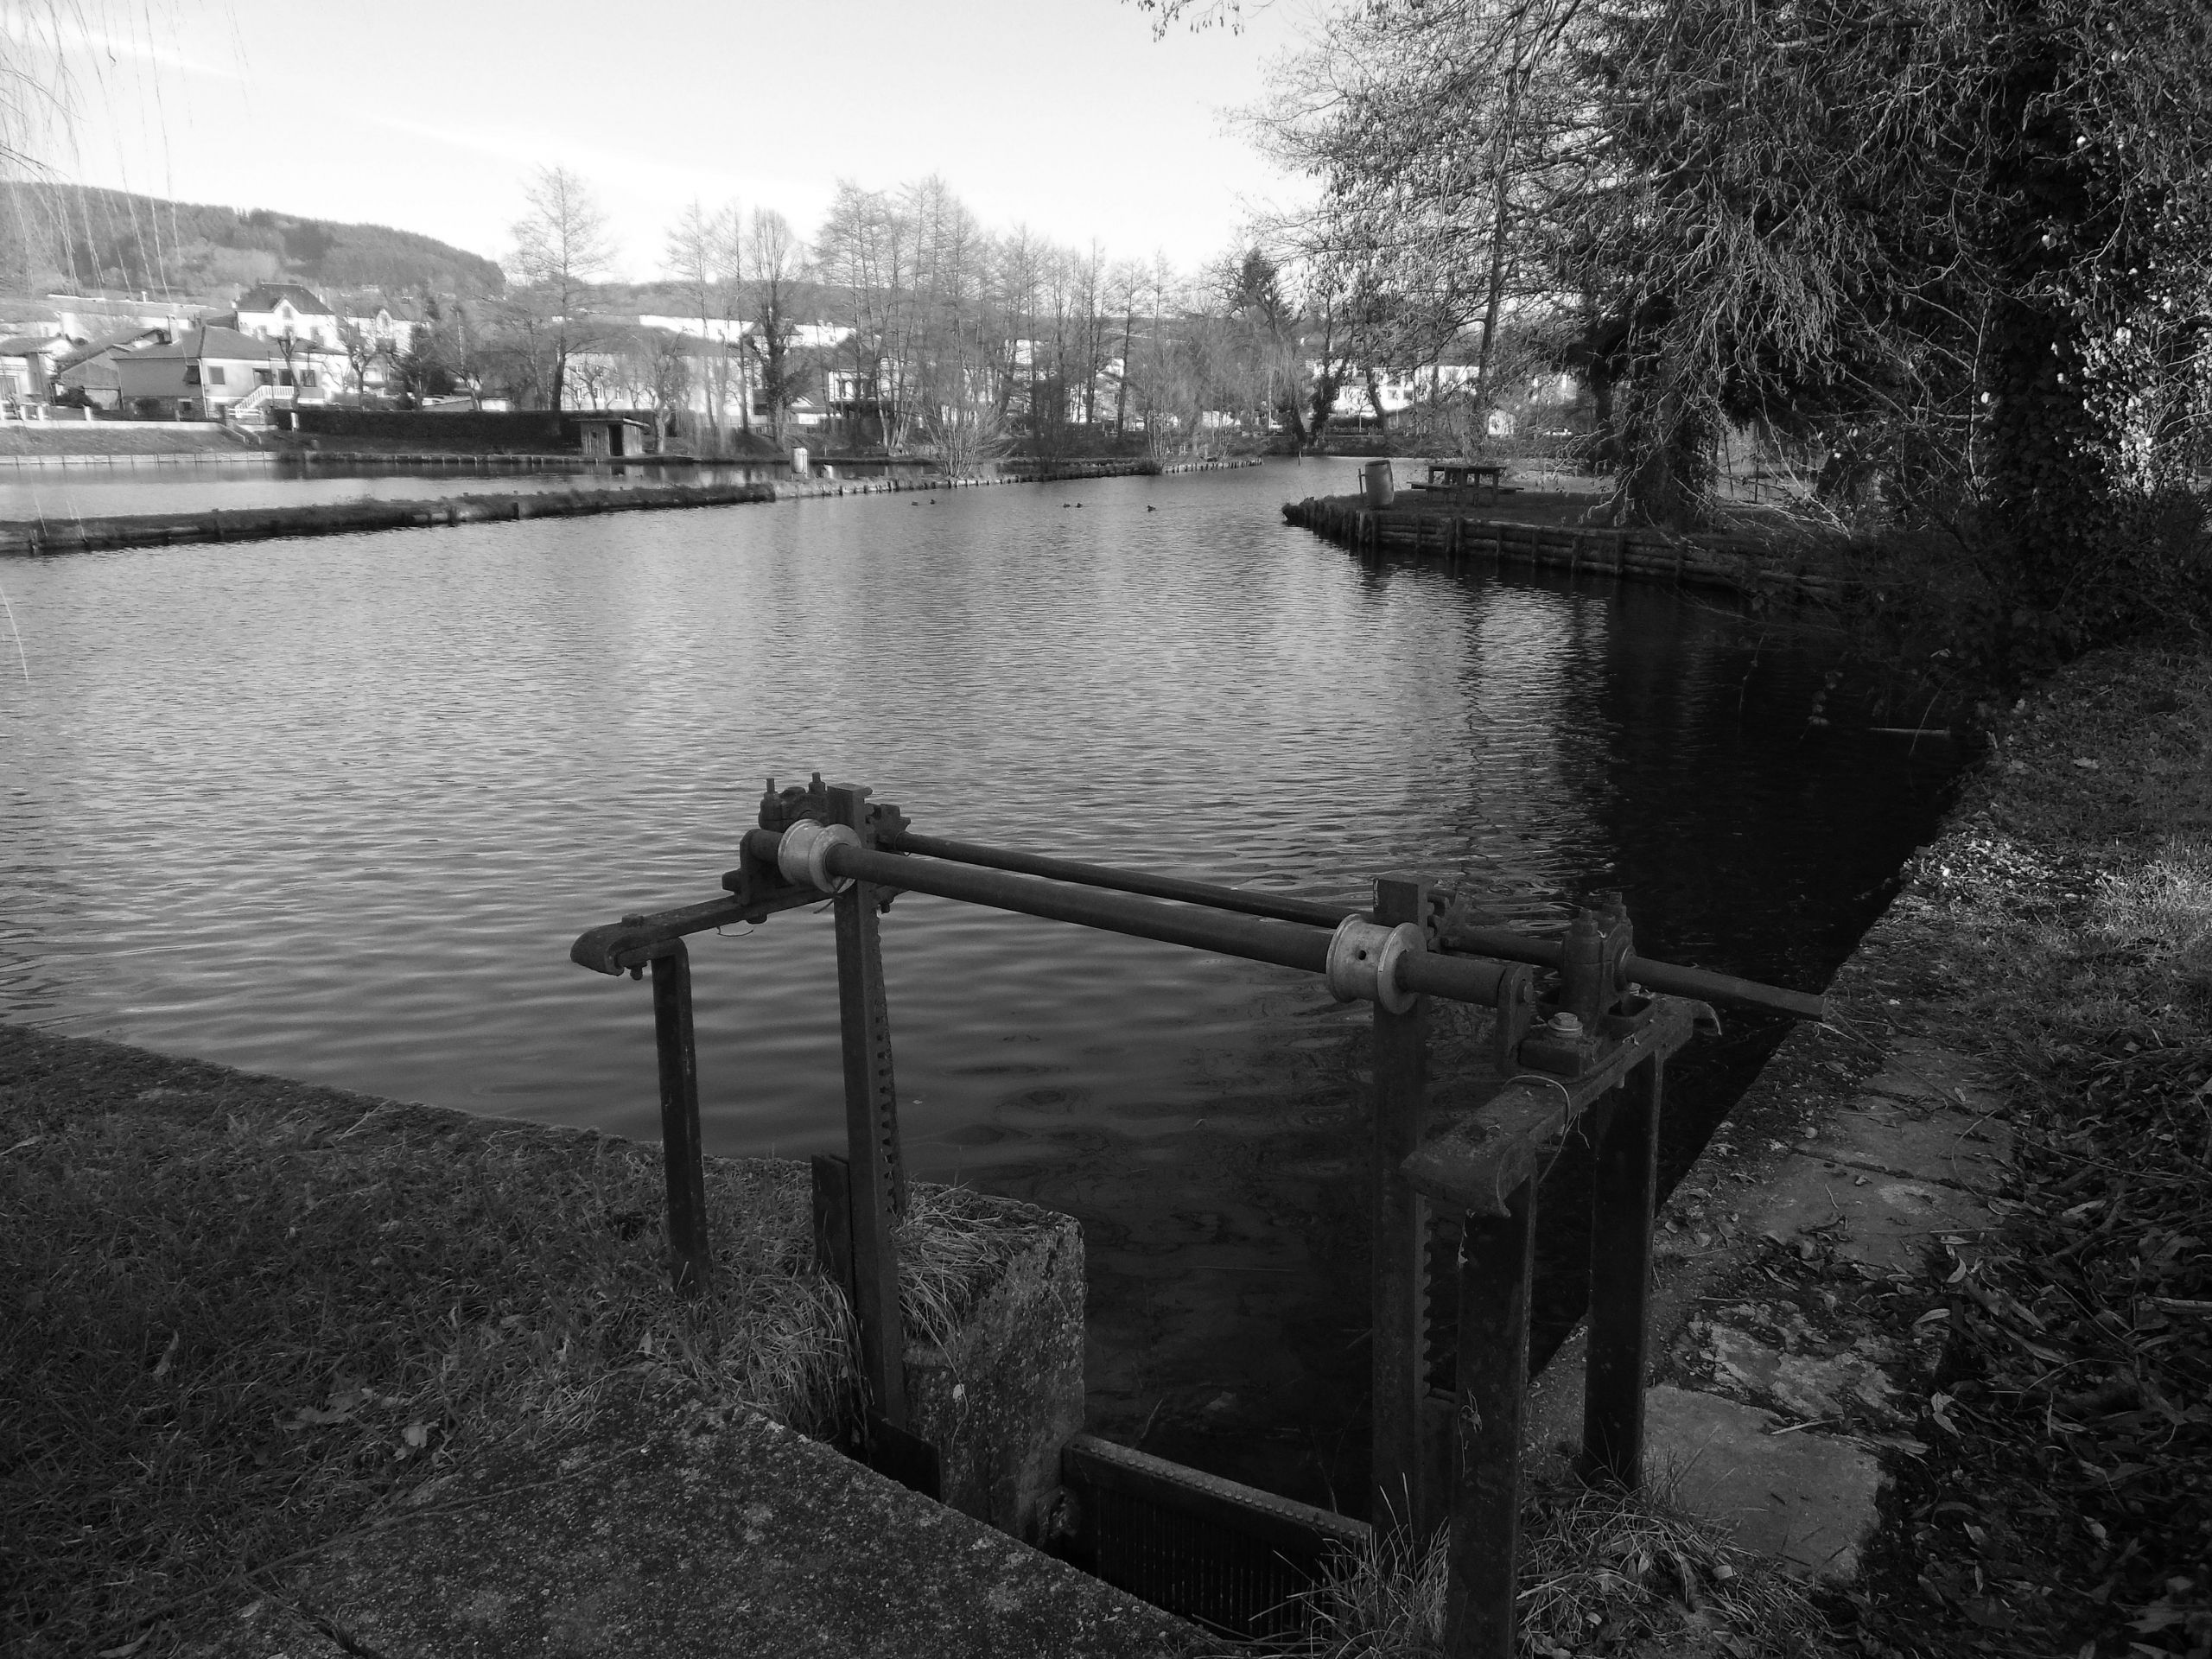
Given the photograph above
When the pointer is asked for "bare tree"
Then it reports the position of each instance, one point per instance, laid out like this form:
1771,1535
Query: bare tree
701,256
774,267
562,248
362,350
1125,290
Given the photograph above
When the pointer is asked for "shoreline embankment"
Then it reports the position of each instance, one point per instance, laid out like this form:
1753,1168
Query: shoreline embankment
1929,1310
93,534
1735,564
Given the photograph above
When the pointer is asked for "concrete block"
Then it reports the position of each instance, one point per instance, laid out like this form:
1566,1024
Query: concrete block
1920,1072
1002,1398
1877,1134
1805,1497
701,1536
1810,1386
1884,1222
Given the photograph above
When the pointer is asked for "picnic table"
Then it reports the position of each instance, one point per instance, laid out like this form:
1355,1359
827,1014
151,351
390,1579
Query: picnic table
1465,479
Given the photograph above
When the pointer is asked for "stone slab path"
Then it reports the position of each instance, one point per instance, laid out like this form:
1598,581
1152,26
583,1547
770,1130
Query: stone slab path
1903,1170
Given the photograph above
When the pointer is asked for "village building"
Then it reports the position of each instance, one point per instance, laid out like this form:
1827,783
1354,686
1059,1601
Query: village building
208,374
27,367
86,374
360,350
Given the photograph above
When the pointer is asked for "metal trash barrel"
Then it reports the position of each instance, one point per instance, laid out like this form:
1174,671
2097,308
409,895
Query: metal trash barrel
1379,491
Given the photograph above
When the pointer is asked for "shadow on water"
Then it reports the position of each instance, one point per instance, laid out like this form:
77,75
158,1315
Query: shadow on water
1744,839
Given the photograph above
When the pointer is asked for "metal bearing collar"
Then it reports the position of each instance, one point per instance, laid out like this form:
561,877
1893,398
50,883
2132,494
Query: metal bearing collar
1364,962
804,853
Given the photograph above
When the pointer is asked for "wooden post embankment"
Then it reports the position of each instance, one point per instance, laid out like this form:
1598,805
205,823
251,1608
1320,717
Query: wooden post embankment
1734,564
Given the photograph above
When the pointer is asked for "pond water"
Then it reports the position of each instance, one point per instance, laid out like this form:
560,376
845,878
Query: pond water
335,808
29,493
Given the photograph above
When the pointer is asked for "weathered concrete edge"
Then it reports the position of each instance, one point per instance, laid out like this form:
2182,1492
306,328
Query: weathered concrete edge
1554,1418
716,1535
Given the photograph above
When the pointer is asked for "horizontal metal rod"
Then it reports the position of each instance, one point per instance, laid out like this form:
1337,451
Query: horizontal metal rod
1503,944
1251,903
610,949
1511,946
618,945
1254,938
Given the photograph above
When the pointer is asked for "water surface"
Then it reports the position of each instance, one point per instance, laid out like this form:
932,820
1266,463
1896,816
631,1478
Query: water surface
335,808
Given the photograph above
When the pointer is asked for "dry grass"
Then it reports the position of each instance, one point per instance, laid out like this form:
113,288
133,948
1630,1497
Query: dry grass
235,1332
953,1246
1602,1572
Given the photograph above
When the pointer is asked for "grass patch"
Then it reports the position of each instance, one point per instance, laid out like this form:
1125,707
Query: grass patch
1602,1572
118,438
243,1316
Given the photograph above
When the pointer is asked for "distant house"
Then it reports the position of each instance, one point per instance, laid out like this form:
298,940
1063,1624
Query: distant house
275,310
86,374
207,372
27,366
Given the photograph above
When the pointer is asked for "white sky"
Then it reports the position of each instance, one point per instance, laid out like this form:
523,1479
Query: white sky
1064,114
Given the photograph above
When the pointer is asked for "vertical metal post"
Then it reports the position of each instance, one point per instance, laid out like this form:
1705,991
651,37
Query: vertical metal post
1495,1259
1395,1303
1624,1190
692,1265
878,1176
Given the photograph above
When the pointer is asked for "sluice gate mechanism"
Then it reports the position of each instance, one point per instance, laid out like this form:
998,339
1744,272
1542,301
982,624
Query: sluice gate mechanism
1583,1028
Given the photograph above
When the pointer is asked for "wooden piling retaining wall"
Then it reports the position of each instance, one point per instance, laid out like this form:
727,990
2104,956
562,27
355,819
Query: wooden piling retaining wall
1734,564
341,518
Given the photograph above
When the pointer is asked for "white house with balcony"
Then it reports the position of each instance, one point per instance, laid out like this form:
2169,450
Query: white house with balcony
282,312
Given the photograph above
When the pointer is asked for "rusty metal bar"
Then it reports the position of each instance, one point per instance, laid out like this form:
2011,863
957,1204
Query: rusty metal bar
613,949
878,1181
1396,1312
1282,906
691,1262
1508,946
1476,1163
1625,1190
1255,939
1496,1260
631,943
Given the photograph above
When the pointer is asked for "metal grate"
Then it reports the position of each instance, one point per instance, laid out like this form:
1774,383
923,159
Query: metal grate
1227,1556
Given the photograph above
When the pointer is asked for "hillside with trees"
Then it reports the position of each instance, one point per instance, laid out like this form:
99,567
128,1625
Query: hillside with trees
79,238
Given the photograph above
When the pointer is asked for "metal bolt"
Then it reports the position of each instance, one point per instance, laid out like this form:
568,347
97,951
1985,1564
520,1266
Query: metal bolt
1565,1025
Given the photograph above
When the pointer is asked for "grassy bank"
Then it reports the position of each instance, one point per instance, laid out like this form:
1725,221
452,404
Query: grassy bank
58,438
245,1316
